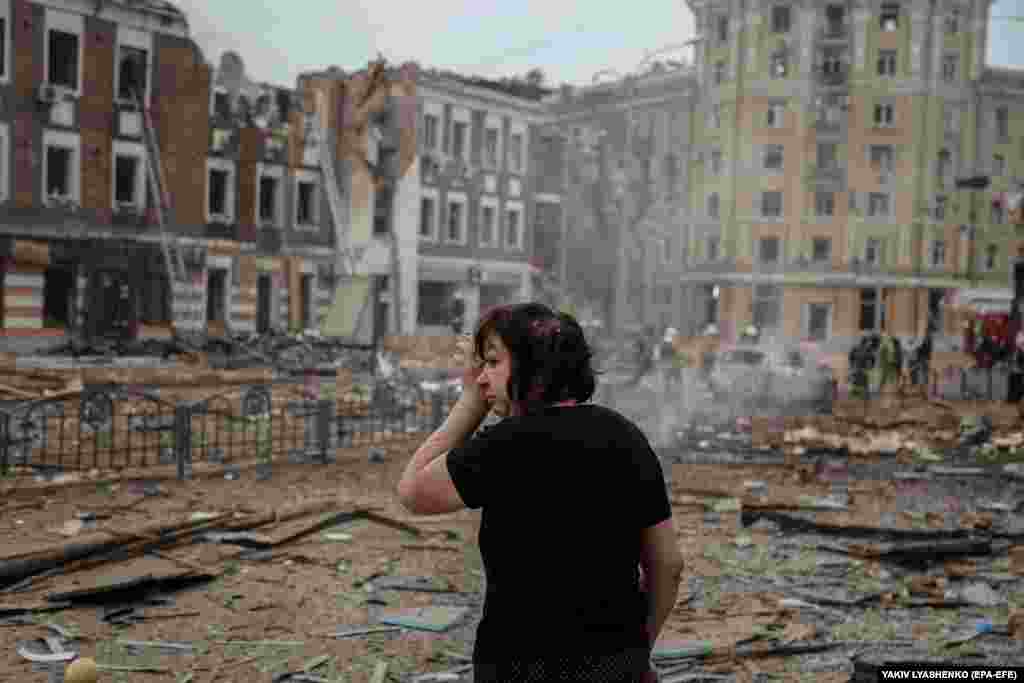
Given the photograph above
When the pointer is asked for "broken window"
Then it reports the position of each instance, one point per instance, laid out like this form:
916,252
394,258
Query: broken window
427,217
887,63
713,248
873,251
824,204
889,19
937,254
719,72
998,165
767,306
3,46
780,19
63,59
882,158
132,73
306,205
268,199
459,140
515,152
768,250
306,301
771,204
58,290
991,257
884,115
879,205
218,193
835,20
868,309
430,131
383,201
513,229
216,295
944,165
779,65
821,250
264,297
950,66
819,320
716,161
486,226
828,155
832,62
454,232
221,105
58,171
491,148
773,157
1002,123
126,170
713,205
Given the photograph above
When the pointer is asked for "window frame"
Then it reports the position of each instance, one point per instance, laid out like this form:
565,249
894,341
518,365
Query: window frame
277,173
887,63
136,40
492,157
430,136
431,197
714,200
937,248
827,241
72,24
771,151
950,75
878,251
779,12
230,191
6,16
516,152
884,115
463,203
990,258
487,204
806,325
306,177
820,202
765,194
886,198
518,210
460,143
72,142
769,239
137,151
713,248
776,111
889,11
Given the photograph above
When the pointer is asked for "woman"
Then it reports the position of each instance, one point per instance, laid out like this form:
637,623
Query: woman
574,505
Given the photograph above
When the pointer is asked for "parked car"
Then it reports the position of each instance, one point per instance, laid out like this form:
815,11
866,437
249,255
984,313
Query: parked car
772,375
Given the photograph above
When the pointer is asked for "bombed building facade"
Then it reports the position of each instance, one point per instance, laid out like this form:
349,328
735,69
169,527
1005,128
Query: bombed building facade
819,157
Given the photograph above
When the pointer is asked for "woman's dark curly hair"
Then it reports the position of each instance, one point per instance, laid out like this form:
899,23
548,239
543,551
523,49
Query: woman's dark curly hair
551,360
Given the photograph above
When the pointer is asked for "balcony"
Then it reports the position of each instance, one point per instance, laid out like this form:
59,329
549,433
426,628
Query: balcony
834,76
834,32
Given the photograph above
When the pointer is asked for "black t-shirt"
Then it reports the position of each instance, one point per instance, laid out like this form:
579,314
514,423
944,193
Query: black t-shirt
565,494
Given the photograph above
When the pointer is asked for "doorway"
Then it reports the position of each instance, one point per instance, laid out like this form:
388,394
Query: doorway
263,302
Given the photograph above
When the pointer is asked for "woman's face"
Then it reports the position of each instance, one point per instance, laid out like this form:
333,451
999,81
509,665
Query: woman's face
493,380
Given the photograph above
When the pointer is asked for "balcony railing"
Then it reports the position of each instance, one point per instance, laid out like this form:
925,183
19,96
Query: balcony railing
833,78
834,31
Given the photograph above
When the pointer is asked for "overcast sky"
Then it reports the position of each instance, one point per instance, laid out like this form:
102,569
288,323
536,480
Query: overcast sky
569,39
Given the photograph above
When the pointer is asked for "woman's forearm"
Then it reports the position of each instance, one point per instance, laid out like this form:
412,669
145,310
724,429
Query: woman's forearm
662,592
465,418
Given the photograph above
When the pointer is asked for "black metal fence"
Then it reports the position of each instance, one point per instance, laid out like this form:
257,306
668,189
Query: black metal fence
111,427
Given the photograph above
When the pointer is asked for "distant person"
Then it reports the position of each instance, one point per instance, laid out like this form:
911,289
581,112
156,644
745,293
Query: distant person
575,513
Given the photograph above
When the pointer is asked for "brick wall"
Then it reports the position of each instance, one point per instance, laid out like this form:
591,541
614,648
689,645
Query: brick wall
27,33
181,97
96,114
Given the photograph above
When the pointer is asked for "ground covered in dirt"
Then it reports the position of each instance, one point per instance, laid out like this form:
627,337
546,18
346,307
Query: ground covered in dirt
793,572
